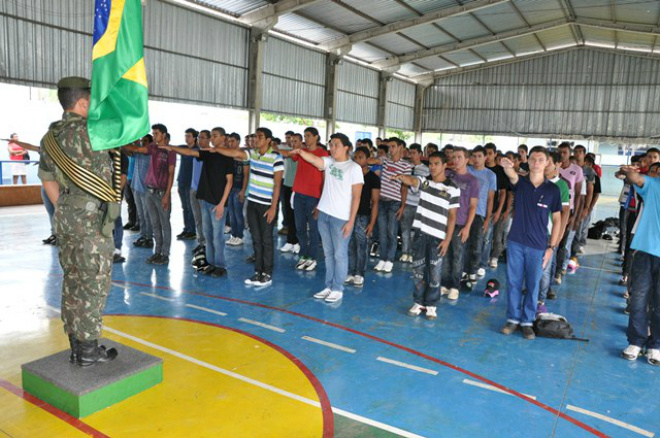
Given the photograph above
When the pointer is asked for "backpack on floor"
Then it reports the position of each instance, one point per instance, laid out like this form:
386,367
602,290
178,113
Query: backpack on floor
551,325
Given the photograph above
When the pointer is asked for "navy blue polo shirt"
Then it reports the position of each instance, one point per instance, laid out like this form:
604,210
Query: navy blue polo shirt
533,206
184,179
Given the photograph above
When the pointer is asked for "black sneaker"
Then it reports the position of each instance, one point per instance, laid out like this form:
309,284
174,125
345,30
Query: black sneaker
181,235
189,236
251,259
528,332
118,258
218,272
135,228
254,279
152,258
51,240
264,280
509,328
161,260
552,295
148,243
139,242
128,226
206,270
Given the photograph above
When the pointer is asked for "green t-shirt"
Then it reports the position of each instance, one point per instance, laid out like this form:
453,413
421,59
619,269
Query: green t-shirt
565,197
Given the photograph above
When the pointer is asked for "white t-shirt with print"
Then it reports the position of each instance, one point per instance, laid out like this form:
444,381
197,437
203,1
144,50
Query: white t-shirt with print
340,176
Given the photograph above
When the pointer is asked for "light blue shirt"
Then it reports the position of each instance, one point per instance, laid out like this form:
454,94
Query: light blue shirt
647,236
487,182
140,169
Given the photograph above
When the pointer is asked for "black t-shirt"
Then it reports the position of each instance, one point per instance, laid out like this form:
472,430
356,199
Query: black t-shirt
597,188
524,166
371,182
502,184
213,179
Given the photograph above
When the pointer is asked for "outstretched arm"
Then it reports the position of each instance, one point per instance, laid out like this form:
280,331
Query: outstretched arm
181,151
310,158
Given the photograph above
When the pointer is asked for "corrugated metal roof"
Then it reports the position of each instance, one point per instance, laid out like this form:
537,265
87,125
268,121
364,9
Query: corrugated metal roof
463,58
599,9
559,37
635,41
493,51
294,24
412,70
536,12
235,7
335,16
434,63
429,35
385,11
463,27
426,6
500,18
524,45
645,12
396,44
368,53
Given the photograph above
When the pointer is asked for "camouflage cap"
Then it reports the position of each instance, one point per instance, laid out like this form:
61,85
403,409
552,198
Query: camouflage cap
74,82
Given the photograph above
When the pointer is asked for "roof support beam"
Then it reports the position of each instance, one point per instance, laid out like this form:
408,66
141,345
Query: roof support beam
406,24
569,12
468,44
625,27
274,10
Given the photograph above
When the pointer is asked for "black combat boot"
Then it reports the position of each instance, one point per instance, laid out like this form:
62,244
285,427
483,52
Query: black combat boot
90,353
75,347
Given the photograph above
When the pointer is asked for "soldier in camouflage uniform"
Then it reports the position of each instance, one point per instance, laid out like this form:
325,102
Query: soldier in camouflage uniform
85,254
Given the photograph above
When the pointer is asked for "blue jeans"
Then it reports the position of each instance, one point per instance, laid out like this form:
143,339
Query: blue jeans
388,226
487,246
522,262
236,218
303,211
146,230
118,233
358,247
188,218
335,247
474,246
406,228
548,271
427,269
644,301
214,234
581,233
453,266
50,208
564,250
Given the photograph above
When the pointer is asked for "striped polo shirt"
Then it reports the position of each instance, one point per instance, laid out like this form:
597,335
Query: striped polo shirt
435,201
262,175
390,190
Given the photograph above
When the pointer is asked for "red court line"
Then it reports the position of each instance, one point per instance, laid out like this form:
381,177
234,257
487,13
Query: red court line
395,345
326,408
67,418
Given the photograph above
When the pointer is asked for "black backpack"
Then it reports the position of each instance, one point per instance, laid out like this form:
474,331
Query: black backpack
550,325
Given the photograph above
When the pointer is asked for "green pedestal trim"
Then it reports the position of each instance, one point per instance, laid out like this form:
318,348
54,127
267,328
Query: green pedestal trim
94,401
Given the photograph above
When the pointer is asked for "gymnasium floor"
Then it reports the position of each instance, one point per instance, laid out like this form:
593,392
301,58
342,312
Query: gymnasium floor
274,362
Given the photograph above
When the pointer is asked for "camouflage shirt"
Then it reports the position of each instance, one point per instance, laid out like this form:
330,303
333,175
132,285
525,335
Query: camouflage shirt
71,134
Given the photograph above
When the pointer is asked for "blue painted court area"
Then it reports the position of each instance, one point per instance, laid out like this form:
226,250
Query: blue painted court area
453,377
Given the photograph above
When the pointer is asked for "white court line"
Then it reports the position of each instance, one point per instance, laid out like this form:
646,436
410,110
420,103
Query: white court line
156,296
491,387
206,310
374,423
611,420
407,365
261,324
600,269
329,344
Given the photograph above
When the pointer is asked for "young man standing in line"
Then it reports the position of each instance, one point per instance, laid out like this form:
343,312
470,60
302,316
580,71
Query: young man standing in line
434,221
184,180
418,169
204,142
307,189
237,194
644,322
365,222
466,220
338,208
215,184
584,219
522,151
266,170
574,176
529,250
139,187
494,235
552,174
290,169
392,202
487,189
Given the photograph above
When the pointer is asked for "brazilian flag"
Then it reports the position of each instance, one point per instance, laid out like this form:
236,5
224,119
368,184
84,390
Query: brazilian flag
118,112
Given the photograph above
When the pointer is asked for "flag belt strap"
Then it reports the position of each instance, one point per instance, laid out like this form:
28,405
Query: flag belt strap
85,179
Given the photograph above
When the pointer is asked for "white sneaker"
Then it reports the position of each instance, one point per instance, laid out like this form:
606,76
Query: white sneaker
227,229
379,266
444,291
296,248
481,272
358,280
415,310
403,258
453,294
323,294
493,263
238,241
310,265
287,248
430,312
349,280
116,252
334,296
653,356
232,241
387,267
301,263
632,352
472,277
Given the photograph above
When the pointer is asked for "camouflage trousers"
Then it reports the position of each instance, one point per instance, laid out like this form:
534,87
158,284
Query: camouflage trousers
86,259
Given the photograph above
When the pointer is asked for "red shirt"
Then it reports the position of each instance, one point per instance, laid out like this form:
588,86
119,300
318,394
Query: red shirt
309,180
16,148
